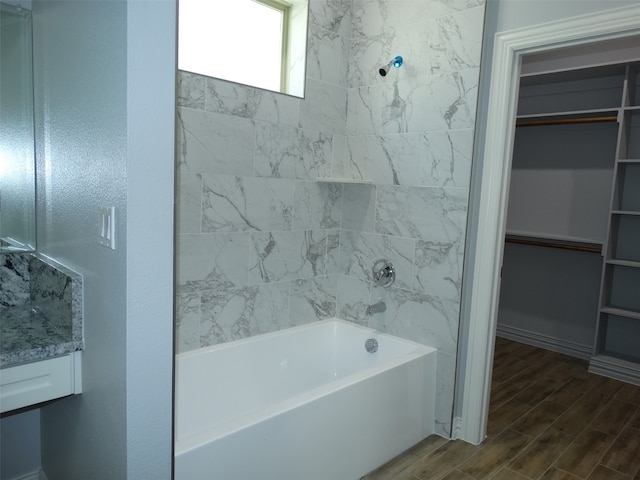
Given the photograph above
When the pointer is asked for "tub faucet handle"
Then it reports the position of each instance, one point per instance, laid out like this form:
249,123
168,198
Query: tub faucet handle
383,273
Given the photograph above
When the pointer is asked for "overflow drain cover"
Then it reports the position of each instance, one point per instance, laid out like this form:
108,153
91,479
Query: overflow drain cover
371,345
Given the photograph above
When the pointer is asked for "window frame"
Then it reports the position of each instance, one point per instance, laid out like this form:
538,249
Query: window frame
285,9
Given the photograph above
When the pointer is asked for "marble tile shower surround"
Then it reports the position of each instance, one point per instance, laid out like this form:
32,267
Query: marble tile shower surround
262,245
41,309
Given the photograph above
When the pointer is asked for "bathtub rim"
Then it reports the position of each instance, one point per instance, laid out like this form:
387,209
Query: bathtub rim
289,330
196,440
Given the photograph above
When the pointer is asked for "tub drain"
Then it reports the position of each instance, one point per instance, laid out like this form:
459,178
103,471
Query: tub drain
371,345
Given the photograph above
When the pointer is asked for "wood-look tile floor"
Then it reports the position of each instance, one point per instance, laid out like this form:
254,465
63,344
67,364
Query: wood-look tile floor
549,419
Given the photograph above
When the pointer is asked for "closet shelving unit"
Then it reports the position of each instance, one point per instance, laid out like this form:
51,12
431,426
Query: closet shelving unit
591,113
607,95
617,339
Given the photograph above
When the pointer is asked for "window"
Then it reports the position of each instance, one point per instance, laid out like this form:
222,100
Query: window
245,41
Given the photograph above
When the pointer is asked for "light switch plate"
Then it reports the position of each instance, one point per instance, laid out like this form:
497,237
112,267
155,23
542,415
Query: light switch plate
107,226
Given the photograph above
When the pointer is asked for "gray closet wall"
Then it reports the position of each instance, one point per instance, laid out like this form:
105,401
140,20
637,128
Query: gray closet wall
560,195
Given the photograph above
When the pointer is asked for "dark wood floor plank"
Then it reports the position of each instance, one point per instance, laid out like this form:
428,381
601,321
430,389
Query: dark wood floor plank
494,455
584,453
539,418
615,415
550,419
541,453
624,455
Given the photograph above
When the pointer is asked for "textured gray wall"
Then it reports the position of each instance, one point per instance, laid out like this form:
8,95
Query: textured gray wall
105,138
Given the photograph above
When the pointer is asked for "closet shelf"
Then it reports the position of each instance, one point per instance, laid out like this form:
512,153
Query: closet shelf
629,160
621,312
564,118
625,212
344,180
623,263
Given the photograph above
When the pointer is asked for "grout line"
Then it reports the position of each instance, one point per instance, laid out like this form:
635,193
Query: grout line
615,439
570,445
548,426
627,476
588,425
613,442
569,473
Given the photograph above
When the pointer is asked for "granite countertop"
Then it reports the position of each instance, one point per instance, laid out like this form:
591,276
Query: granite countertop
27,335
40,309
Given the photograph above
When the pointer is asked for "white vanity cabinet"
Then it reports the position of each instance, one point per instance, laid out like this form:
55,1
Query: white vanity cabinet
41,336
36,382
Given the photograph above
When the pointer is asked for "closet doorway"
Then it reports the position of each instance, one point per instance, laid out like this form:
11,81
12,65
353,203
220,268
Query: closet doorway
559,196
509,49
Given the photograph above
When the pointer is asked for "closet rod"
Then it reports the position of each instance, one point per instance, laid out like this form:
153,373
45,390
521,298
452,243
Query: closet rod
540,243
565,121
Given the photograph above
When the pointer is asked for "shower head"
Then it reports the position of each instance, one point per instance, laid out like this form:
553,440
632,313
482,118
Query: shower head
396,62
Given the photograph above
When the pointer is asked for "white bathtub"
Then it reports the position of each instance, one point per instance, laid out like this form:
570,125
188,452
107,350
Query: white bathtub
307,403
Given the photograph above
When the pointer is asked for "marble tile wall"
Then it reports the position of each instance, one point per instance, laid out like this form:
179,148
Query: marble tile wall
258,237
263,246
411,133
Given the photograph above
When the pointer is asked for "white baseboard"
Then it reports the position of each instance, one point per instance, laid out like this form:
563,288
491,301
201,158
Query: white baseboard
547,342
615,368
39,475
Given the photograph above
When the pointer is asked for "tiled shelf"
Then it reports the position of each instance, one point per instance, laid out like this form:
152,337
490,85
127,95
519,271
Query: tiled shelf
344,180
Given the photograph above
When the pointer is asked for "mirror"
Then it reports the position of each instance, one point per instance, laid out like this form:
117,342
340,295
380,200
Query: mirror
17,152
261,43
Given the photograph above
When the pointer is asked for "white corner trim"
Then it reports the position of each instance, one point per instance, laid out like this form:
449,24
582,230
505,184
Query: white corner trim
456,428
494,181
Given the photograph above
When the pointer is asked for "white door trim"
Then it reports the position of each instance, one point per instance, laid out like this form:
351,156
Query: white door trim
509,47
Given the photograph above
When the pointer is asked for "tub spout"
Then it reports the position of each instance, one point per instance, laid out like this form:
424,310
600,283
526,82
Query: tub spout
376,308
